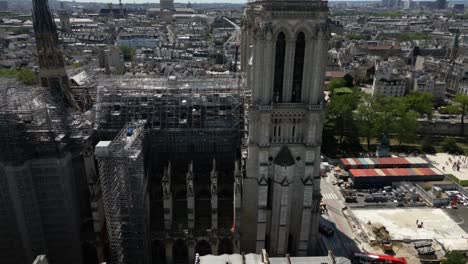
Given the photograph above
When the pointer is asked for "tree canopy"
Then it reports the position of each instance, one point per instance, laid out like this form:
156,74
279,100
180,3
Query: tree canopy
336,83
26,76
128,53
454,257
340,113
460,107
450,145
420,102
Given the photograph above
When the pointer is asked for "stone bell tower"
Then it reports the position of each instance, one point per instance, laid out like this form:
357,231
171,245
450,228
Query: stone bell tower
284,50
52,72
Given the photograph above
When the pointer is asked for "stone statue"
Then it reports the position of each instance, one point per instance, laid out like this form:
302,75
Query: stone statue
214,187
165,191
189,188
237,185
383,150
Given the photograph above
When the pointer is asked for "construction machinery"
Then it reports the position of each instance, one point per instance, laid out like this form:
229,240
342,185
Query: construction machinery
383,237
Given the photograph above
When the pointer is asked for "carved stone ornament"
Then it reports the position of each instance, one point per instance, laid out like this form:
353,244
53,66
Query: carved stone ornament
214,188
189,188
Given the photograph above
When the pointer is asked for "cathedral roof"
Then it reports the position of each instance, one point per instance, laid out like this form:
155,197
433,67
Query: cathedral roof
284,157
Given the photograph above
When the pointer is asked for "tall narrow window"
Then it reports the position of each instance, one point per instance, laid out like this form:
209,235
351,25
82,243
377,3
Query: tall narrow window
279,68
298,68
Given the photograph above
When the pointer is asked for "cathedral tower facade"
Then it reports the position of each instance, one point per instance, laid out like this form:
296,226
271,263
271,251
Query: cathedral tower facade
284,50
52,71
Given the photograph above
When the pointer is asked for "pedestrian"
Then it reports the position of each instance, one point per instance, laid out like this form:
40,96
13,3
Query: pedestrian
417,221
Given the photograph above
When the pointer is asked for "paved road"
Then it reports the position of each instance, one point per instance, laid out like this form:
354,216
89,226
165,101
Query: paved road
342,242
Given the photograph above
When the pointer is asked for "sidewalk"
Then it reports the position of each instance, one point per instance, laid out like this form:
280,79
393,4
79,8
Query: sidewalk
447,163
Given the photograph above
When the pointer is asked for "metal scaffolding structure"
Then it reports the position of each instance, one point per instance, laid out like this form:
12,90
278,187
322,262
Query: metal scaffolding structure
30,122
40,138
169,104
124,192
189,121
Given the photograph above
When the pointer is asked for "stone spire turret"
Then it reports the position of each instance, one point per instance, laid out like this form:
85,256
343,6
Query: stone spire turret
52,72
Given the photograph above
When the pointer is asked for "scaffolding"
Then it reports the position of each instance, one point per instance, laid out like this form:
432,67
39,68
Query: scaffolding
33,123
177,112
124,191
27,123
37,135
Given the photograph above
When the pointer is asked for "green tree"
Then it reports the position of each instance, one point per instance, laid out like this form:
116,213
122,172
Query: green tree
450,145
365,118
410,36
454,257
27,77
420,102
349,80
406,127
428,146
336,83
128,53
76,64
460,107
340,113
387,111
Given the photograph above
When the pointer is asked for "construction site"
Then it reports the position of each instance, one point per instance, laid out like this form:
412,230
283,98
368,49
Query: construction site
124,191
193,134
42,167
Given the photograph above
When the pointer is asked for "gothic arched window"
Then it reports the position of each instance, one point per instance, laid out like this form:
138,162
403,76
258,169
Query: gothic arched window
279,68
298,68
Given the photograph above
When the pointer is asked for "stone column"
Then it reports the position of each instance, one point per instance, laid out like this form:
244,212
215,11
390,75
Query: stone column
316,198
258,68
250,59
244,46
214,197
319,71
288,70
237,206
312,124
190,198
264,129
169,257
262,200
191,248
313,247
280,210
303,240
237,193
283,232
309,62
268,69
167,197
214,241
262,214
